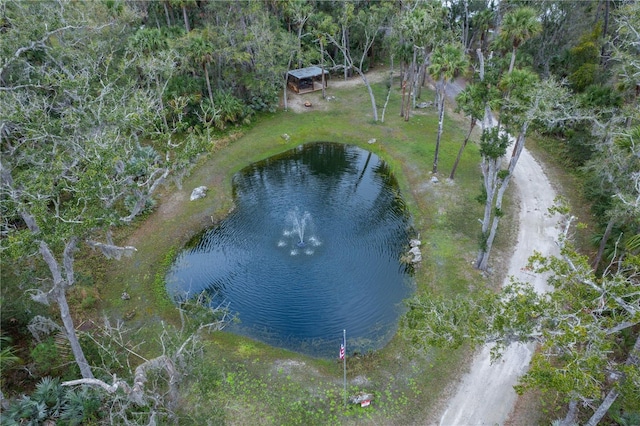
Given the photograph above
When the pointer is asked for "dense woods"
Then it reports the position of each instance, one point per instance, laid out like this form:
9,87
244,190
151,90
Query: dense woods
103,103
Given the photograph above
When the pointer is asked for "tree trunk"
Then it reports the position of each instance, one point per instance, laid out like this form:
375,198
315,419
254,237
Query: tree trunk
404,93
371,95
481,259
206,76
67,321
464,144
60,284
481,68
441,99
603,244
410,75
491,187
422,79
324,91
489,169
171,12
162,112
465,30
166,13
513,60
605,30
59,292
186,18
489,174
300,28
484,261
345,40
603,408
483,256
284,93
414,77
570,418
286,78
386,102
371,53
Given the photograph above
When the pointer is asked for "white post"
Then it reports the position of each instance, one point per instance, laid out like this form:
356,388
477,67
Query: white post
344,363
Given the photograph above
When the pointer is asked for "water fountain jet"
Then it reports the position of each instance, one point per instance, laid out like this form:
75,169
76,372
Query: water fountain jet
299,223
298,226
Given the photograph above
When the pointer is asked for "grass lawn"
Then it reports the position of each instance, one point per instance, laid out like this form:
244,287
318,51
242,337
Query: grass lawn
240,381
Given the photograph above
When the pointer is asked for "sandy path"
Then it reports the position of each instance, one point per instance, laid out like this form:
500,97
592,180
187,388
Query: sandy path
485,395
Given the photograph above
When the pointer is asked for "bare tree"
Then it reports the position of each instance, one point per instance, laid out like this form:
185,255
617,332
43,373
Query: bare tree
370,22
447,61
179,348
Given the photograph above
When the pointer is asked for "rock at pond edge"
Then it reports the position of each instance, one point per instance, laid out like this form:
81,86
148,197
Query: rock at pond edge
199,192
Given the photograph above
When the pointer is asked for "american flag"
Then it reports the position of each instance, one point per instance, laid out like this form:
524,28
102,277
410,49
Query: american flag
342,345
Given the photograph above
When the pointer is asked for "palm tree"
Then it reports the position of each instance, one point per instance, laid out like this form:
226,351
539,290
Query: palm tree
200,50
519,26
183,5
155,58
471,102
8,357
481,24
446,62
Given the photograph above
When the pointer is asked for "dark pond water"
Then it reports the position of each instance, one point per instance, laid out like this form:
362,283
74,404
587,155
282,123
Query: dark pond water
312,248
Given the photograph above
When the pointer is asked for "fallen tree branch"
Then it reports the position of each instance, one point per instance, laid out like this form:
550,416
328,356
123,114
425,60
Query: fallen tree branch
135,393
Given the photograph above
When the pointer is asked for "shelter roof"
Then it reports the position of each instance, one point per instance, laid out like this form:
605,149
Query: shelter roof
308,72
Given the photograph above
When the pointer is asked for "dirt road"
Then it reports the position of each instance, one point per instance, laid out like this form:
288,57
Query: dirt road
485,395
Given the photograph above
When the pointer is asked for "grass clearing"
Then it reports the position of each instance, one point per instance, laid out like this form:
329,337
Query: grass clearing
240,381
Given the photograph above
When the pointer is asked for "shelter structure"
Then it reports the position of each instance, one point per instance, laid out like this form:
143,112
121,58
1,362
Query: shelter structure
305,80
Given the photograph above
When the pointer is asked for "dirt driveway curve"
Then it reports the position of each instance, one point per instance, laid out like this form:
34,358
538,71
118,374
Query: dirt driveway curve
485,394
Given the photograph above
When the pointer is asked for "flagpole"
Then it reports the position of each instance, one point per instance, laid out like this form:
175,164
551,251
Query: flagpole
344,363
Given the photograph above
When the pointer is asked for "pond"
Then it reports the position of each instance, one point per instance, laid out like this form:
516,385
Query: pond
312,248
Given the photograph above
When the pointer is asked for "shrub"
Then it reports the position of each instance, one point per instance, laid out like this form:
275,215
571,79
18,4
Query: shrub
46,357
232,109
51,402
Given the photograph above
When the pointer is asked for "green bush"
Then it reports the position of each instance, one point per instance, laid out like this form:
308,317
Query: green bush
51,402
584,76
46,357
232,110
